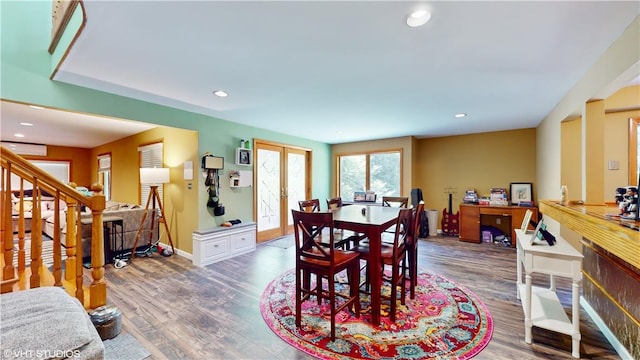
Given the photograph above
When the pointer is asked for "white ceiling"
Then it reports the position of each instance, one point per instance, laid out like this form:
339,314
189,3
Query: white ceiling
347,70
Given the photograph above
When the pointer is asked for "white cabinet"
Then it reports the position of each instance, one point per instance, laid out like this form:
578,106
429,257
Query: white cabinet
542,307
220,243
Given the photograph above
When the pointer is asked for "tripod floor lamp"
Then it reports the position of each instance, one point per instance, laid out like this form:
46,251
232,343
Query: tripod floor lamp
153,177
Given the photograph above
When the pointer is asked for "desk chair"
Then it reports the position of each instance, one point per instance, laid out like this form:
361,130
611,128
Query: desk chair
314,258
393,256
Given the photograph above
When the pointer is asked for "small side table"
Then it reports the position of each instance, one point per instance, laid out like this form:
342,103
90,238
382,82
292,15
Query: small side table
113,231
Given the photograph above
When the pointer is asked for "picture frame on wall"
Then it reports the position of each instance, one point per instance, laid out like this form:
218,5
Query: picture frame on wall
521,193
244,157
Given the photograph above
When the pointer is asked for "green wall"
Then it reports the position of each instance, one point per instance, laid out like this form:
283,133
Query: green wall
25,70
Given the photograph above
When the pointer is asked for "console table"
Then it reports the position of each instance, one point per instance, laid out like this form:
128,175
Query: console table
472,216
542,307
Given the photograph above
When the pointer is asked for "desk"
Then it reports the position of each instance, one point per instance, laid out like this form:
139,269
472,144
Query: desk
373,223
472,216
541,307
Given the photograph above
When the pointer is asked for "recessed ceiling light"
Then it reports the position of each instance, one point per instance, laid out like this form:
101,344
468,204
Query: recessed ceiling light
460,115
220,93
26,124
418,18
36,107
18,135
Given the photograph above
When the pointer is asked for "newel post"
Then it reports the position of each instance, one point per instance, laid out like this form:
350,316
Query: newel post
98,287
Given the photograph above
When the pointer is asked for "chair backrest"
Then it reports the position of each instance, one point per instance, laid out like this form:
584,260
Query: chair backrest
403,230
312,205
395,201
334,203
418,212
311,242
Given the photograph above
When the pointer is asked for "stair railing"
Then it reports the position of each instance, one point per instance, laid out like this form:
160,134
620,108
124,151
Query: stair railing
14,223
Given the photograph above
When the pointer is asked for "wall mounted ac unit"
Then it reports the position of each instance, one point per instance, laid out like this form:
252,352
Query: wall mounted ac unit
26,149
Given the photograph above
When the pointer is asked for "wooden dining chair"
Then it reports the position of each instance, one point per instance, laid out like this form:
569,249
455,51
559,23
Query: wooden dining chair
314,258
412,249
347,235
393,258
395,201
334,203
311,205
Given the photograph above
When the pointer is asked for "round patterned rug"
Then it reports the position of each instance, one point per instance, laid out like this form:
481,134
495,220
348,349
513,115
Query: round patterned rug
445,320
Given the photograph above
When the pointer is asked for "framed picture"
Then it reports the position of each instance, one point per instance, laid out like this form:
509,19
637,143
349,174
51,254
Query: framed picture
536,233
521,192
526,220
244,157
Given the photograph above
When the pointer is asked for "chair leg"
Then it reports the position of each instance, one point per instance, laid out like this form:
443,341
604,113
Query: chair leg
354,287
298,298
394,294
332,301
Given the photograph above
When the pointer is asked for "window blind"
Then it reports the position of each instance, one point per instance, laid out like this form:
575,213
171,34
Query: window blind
150,157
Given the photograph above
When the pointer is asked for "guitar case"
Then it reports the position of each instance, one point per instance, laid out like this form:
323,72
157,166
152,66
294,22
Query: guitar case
416,197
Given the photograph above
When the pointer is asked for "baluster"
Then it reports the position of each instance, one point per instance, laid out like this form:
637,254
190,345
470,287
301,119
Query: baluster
8,271
70,267
57,248
36,237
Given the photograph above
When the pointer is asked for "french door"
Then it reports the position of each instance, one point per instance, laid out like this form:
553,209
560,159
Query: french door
283,178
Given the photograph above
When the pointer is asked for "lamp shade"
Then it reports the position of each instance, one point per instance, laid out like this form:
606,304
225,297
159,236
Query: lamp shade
154,175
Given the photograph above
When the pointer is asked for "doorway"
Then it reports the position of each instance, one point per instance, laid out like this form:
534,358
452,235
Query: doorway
283,177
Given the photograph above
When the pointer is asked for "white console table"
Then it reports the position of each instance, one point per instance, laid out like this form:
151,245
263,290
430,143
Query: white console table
542,307
220,243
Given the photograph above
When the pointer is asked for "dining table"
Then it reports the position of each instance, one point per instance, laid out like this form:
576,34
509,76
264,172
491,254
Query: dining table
372,221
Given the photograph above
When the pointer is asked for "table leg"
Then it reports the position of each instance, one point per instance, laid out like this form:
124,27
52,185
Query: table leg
575,319
374,267
528,324
518,274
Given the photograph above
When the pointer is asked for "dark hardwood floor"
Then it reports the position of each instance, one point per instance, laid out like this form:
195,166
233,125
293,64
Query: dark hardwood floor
179,311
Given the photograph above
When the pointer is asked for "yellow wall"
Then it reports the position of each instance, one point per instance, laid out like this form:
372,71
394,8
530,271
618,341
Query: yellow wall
480,161
614,145
79,159
180,196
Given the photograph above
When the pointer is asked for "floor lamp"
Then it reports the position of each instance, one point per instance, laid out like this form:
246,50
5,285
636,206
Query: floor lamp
153,177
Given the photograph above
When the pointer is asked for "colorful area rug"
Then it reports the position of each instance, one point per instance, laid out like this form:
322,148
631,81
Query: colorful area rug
445,320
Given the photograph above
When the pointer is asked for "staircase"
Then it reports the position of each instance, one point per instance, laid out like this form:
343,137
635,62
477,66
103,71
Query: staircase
89,288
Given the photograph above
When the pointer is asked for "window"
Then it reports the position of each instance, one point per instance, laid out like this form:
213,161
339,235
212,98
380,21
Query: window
58,169
150,157
379,172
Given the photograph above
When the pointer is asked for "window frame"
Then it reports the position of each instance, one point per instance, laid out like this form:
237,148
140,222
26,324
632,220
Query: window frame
368,155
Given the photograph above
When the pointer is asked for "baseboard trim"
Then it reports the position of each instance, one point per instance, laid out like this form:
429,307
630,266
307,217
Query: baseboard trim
179,252
620,349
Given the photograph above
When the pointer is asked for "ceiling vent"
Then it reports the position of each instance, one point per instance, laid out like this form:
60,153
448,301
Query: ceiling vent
26,149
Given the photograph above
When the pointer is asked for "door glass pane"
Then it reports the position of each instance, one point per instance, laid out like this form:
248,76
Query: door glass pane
385,174
269,188
296,179
352,175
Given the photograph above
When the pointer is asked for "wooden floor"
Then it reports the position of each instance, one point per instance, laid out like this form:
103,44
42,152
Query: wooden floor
179,311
